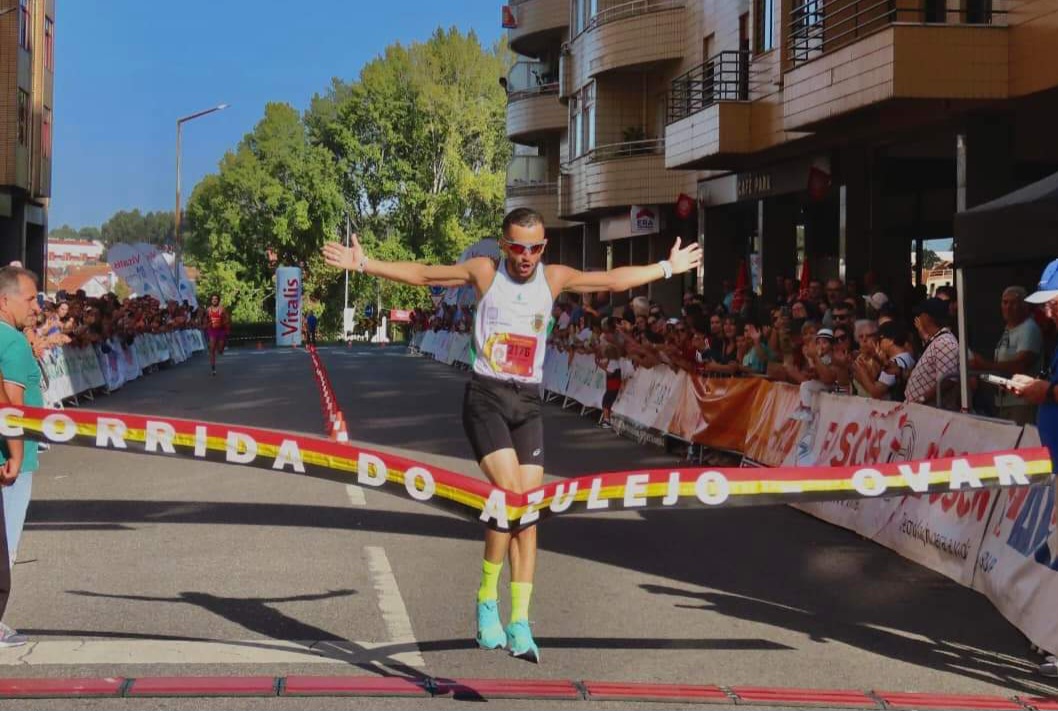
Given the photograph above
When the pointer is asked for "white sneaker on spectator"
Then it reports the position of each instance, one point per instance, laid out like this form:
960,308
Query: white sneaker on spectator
10,637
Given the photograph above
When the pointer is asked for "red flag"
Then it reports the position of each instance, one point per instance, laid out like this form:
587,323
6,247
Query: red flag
684,206
741,282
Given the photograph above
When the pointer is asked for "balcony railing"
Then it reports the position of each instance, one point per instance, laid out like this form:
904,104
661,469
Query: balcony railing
634,8
549,188
527,175
626,149
724,77
530,79
817,27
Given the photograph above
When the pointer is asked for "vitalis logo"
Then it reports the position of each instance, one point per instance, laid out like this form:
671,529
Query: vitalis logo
123,263
292,292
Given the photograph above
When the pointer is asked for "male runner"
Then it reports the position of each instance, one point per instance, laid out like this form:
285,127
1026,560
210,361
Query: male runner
217,324
501,409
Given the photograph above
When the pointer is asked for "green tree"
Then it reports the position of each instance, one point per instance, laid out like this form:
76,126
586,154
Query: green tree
420,142
92,234
929,258
274,201
414,151
63,232
132,226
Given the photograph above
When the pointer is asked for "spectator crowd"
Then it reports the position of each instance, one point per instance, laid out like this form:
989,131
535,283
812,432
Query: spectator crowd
78,320
822,335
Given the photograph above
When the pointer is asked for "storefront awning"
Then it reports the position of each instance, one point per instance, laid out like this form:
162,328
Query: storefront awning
1019,227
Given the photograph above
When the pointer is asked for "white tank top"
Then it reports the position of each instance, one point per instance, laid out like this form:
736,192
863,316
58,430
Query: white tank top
511,325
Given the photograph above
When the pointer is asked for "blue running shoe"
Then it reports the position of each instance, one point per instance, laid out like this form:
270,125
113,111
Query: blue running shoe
521,640
490,630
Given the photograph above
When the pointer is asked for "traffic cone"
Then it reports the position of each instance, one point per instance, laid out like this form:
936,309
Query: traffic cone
260,346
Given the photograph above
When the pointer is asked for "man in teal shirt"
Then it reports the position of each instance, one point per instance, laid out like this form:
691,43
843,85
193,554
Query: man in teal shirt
21,383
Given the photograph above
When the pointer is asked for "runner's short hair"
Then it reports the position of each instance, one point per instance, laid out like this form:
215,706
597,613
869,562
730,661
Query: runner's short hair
522,217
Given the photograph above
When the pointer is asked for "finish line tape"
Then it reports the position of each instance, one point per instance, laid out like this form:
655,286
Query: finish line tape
506,510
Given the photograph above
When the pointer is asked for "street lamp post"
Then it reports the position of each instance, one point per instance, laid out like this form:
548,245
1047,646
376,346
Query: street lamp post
179,240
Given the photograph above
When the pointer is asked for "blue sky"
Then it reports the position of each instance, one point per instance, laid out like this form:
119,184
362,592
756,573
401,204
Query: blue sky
126,69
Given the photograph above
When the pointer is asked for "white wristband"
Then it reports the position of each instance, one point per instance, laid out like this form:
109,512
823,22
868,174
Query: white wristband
363,265
666,267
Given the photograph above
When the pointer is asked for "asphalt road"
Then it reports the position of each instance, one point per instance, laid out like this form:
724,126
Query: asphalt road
138,566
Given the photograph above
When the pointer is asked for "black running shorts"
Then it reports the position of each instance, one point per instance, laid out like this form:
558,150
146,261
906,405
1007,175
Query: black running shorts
504,415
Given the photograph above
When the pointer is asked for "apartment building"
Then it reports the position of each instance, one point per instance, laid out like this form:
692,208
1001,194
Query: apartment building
839,132
27,66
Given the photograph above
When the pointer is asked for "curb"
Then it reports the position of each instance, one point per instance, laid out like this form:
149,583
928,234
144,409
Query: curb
488,689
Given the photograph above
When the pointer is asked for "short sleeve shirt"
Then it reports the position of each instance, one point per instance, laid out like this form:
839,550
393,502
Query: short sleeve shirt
939,360
1023,338
20,368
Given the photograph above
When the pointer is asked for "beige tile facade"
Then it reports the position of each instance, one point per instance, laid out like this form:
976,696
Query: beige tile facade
22,165
634,40
530,116
605,185
544,202
964,63
823,95
535,20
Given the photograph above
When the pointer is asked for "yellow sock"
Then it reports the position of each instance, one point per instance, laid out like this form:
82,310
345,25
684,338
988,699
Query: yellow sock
490,579
520,594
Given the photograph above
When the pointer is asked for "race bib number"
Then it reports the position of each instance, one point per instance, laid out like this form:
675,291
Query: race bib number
512,354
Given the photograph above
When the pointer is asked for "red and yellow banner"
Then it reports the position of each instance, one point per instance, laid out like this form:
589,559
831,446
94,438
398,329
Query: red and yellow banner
506,510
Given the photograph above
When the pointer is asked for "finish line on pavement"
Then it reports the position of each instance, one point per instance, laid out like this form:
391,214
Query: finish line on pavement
485,689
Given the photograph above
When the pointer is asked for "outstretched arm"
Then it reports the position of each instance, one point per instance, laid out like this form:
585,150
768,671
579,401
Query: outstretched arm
680,260
352,258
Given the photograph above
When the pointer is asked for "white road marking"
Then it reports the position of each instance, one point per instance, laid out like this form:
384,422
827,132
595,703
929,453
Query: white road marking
402,647
390,603
356,495
162,651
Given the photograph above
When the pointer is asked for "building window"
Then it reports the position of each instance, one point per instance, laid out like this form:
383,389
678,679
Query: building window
582,121
49,44
583,13
45,134
24,24
764,17
23,118
576,129
588,108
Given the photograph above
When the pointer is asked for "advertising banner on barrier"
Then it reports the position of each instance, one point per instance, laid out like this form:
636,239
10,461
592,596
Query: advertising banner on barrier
942,532
556,372
648,401
1017,566
587,382
715,412
772,433
288,306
